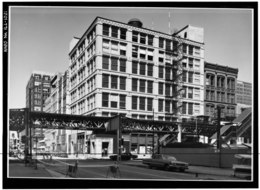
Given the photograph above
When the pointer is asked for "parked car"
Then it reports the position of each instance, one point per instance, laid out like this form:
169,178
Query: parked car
166,162
124,156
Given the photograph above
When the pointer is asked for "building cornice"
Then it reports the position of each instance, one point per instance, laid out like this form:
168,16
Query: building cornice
101,20
217,67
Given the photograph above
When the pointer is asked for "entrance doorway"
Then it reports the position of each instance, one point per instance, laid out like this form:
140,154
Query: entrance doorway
105,148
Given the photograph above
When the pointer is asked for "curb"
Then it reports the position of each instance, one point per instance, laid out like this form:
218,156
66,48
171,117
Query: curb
187,171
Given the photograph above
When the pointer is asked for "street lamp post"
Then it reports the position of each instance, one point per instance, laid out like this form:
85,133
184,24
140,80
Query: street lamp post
153,131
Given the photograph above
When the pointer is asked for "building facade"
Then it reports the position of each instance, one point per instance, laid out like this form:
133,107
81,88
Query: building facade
220,90
38,87
244,95
56,140
123,68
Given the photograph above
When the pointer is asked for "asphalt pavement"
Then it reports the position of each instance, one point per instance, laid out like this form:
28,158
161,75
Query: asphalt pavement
128,169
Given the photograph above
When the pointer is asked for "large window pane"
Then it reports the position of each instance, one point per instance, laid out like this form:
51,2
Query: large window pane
122,101
142,103
142,68
149,86
105,62
142,86
122,65
105,81
105,99
134,102
105,29
114,82
114,63
134,67
134,84
149,104
122,83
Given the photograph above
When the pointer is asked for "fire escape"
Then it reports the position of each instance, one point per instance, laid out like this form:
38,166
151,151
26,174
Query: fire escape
173,78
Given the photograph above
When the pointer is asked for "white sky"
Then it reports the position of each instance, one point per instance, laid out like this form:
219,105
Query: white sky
40,37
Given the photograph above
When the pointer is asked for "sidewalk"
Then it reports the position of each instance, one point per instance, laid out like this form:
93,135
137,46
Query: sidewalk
18,169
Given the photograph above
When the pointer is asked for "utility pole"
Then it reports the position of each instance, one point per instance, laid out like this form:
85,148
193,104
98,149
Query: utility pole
218,135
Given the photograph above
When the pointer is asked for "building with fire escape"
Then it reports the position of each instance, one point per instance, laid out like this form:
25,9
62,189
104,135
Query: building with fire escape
124,68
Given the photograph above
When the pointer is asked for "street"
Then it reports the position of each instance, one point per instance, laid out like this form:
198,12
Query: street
134,169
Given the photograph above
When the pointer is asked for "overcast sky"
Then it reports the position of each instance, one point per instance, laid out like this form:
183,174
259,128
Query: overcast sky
40,37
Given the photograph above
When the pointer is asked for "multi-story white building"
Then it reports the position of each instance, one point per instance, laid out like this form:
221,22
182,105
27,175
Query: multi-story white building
124,68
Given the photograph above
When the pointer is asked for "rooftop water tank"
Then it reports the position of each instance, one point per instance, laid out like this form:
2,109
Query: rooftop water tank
135,22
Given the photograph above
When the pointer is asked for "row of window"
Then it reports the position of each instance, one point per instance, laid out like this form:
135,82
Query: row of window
81,48
114,82
91,84
41,89
191,63
142,38
192,77
221,97
190,92
80,107
192,50
37,77
211,111
138,103
114,47
190,108
142,85
114,63
112,100
221,80
115,32
38,102
82,72
142,68
142,53
150,117
168,44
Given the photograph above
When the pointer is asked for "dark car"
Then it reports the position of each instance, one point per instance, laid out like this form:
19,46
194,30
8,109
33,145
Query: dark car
124,156
167,162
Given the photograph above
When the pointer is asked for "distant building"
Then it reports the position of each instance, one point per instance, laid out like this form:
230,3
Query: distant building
220,90
38,87
57,102
244,95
